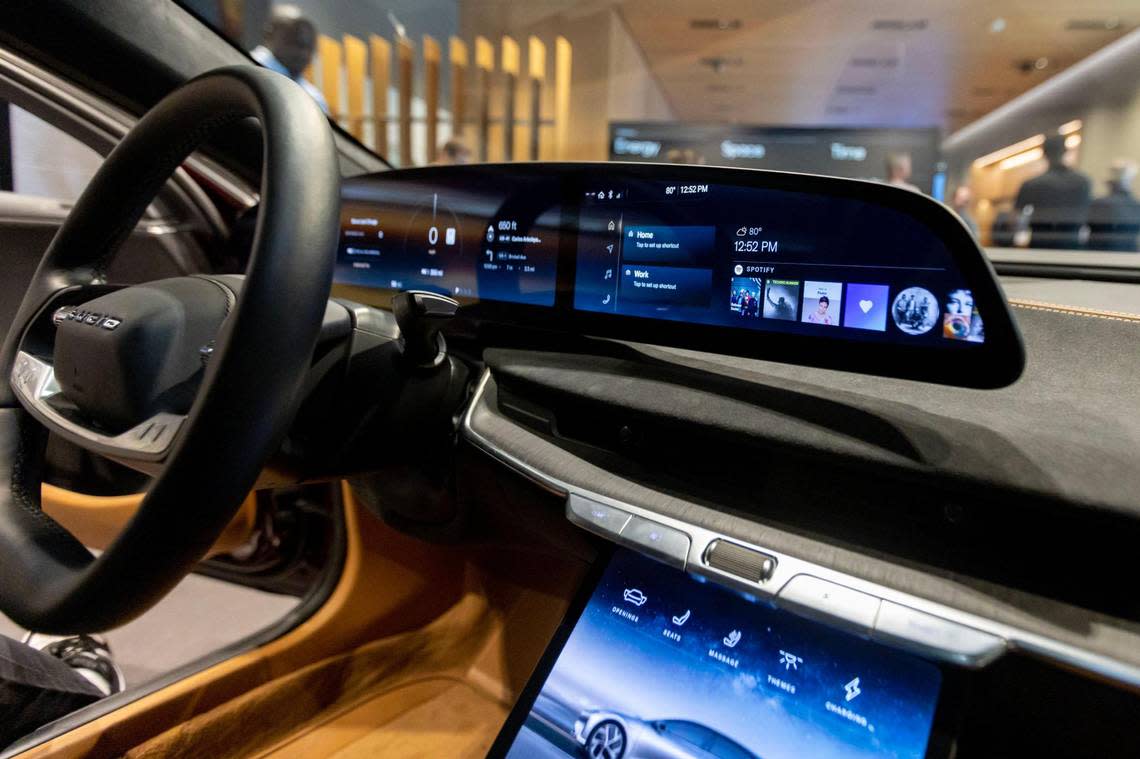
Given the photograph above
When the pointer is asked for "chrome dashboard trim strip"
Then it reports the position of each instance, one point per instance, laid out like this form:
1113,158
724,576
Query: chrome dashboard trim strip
788,567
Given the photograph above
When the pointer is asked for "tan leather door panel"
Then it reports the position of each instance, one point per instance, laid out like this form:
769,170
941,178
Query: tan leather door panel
96,520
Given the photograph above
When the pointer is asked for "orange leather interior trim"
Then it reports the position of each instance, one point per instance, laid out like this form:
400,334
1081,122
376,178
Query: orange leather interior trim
437,716
97,520
390,583
442,689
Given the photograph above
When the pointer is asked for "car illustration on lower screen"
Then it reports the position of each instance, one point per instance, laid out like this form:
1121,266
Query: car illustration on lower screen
612,735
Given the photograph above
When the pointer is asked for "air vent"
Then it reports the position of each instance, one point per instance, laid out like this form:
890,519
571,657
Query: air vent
1092,24
837,110
715,24
899,24
855,89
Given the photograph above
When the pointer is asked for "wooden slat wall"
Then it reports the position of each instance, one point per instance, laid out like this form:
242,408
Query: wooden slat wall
536,74
485,64
431,95
457,55
405,53
381,59
510,64
332,60
563,62
357,62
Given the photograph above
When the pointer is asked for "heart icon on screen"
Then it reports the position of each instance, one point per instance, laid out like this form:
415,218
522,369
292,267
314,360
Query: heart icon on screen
866,305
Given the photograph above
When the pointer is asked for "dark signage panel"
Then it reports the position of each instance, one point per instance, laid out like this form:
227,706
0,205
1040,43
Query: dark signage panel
854,153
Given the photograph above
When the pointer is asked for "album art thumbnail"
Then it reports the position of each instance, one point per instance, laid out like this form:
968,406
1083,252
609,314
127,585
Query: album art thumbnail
781,296
915,310
823,303
745,296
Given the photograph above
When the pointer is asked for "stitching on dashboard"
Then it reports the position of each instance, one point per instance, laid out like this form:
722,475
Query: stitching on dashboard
1057,308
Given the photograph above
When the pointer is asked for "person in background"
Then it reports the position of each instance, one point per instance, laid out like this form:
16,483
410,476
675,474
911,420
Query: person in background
899,171
287,47
1057,201
960,202
1114,220
453,153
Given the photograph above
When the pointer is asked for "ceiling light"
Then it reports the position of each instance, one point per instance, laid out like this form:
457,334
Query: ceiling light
997,26
1010,150
723,24
866,62
899,24
1041,63
1072,141
855,89
1093,24
1070,126
1028,156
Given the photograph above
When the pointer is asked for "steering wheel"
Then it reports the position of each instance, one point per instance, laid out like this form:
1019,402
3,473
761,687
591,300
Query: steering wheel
196,378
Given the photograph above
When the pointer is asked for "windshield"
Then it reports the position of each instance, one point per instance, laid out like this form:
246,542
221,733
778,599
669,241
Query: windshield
1023,117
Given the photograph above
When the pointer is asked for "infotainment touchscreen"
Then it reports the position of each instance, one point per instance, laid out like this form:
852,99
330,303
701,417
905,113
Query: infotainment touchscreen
806,270
660,664
771,260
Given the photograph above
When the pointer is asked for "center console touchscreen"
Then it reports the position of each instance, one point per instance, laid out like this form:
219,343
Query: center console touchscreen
662,664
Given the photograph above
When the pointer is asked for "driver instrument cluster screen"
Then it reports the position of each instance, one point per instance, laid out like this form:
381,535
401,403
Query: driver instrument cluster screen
766,259
495,240
661,664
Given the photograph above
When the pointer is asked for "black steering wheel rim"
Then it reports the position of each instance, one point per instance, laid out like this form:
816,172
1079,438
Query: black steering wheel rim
48,580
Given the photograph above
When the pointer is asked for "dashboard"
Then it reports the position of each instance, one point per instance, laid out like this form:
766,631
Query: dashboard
752,263
846,553
885,535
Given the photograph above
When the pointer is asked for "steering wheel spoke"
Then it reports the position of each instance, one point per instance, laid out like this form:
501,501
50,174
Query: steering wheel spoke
39,393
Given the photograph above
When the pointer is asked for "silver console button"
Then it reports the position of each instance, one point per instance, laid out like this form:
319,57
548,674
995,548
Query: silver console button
667,544
738,560
596,517
830,602
946,639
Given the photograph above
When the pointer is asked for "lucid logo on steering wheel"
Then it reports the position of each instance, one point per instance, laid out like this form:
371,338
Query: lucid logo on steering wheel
82,316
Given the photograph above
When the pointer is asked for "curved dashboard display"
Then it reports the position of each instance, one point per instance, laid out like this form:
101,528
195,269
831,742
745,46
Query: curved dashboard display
755,263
